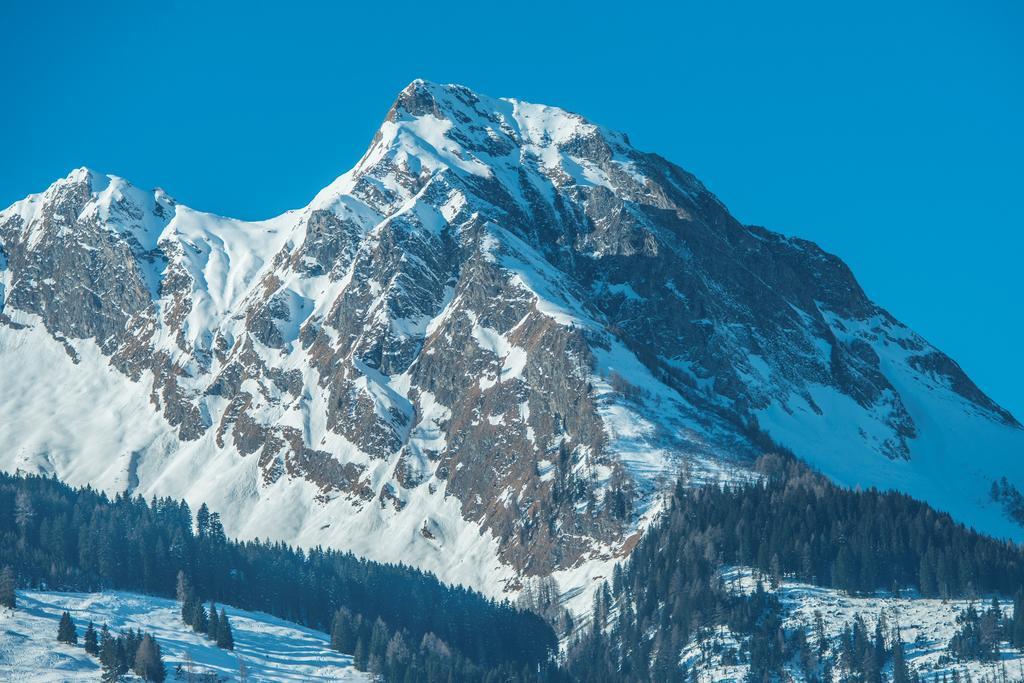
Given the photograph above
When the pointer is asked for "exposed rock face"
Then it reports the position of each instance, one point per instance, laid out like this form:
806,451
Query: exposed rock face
503,321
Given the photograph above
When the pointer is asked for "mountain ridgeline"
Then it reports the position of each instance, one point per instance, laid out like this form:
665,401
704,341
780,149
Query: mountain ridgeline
486,350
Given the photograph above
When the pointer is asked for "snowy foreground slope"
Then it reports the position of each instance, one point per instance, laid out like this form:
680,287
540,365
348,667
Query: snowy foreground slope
484,350
273,649
926,627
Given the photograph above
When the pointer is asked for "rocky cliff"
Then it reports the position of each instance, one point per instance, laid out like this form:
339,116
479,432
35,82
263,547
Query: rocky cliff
484,350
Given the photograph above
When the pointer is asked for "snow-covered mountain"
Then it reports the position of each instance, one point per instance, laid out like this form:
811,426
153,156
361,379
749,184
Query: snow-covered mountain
484,350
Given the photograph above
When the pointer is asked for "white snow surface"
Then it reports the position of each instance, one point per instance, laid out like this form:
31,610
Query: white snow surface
89,424
926,627
273,649
958,452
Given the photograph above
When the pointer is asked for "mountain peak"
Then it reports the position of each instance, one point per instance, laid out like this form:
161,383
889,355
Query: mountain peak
499,297
472,112
423,97
81,174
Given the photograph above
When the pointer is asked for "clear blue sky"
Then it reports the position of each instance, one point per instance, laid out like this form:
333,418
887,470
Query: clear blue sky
890,133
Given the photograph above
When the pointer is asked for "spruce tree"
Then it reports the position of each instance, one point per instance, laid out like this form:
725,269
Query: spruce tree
203,521
359,656
900,672
91,643
186,596
343,632
199,620
1017,634
211,629
8,597
148,661
108,648
225,638
66,632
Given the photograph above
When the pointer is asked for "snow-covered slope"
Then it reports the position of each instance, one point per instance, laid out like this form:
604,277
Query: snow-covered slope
484,350
272,649
926,626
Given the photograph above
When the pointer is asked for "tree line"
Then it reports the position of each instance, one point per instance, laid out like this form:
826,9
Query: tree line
790,523
56,537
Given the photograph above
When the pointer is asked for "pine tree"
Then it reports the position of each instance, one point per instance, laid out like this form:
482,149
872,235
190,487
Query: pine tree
108,648
225,638
664,665
8,597
359,656
343,631
186,596
216,529
211,629
66,632
878,652
203,521
1017,634
378,645
617,580
900,672
820,639
148,661
23,512
91,643
199,620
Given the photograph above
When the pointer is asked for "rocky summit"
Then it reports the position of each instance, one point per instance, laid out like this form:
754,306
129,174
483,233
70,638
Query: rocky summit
486,350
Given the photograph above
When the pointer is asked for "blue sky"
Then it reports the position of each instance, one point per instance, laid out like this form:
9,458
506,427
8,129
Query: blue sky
889,133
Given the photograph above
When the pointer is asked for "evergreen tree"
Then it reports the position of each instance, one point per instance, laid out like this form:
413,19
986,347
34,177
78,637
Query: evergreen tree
359,657
66,632
1017,631
820,638
186,596
90,640
148,662
663,668
900,671
199,620
378,646
211,628
617,580
225,638
203,521
108,648
343,631
8,585
24,512
216,530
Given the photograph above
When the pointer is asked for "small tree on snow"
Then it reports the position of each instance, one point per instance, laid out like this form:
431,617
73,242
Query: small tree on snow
91,641
214,623
8,585
66,632
148,662
199,621
225,638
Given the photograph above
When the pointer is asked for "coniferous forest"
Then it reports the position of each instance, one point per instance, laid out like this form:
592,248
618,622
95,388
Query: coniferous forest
59,538
792,523
403,624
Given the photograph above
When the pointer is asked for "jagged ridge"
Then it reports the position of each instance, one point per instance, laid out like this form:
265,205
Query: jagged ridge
484,350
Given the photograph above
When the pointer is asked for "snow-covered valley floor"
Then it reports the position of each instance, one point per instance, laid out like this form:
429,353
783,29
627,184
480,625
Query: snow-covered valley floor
272,649
926,627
